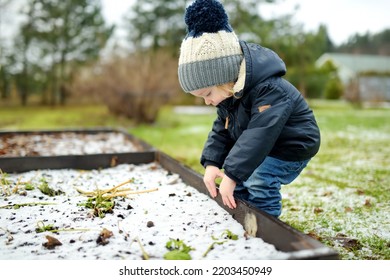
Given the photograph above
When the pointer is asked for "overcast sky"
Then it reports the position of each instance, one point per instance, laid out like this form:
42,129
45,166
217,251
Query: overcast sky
342,17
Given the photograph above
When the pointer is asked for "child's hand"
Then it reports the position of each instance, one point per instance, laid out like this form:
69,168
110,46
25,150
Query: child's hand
226,190
212,173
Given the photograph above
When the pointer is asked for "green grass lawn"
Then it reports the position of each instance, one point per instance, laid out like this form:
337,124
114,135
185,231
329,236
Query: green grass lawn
342,198
42,117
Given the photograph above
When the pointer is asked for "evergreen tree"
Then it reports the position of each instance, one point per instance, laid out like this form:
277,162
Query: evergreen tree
156,24
368,43
66,34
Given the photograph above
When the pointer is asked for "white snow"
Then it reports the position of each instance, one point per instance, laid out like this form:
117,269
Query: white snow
177,210
65,143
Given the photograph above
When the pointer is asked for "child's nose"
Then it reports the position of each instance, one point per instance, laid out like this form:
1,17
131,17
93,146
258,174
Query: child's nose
207,101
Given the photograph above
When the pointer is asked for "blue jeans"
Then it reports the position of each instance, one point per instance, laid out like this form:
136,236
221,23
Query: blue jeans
262,189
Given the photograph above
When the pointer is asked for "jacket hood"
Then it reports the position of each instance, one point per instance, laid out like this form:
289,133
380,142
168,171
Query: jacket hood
261,64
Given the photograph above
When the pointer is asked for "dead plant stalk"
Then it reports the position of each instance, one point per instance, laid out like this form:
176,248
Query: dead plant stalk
114,192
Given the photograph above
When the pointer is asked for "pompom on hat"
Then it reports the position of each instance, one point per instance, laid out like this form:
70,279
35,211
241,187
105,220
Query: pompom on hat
210,54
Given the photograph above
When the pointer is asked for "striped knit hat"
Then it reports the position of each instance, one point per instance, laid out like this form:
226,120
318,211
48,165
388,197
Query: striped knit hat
210,54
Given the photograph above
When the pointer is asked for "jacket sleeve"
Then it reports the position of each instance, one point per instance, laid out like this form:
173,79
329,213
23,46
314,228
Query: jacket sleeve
270,110
217,146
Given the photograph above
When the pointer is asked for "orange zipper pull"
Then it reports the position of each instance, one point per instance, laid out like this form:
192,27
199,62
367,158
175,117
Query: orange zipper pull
227,123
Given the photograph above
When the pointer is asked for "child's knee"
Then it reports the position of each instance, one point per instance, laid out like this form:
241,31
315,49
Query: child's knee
276,212
271,205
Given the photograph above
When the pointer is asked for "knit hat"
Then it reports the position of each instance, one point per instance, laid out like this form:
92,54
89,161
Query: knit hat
210,54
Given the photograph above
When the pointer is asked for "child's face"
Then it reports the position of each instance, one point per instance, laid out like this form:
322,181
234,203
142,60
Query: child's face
212,95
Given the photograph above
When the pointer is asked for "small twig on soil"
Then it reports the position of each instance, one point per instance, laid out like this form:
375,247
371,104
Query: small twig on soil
18,205
106,191
227,234
211,247
114,192
118,186
4,183
41,227
10,238
125,193
144,254
72,229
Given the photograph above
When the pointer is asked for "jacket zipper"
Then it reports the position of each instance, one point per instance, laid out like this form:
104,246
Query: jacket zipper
230,121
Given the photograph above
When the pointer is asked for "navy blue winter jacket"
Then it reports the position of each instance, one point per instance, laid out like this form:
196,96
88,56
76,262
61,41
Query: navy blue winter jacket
271,118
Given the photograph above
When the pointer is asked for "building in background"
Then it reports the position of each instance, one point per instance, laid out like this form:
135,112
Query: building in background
366,78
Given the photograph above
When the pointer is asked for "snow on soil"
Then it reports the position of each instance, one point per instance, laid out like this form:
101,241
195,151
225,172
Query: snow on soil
64,143
174,211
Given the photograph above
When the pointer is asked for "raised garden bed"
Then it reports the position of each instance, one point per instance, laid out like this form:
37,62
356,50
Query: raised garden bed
166,201
69,142
80,149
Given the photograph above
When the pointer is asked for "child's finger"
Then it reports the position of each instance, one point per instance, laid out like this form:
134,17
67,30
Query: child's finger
210,185
232,202
229,202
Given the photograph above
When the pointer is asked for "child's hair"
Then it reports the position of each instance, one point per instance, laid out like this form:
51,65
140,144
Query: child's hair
229,88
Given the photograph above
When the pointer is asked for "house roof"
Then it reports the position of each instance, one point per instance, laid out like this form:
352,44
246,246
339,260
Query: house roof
357,63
